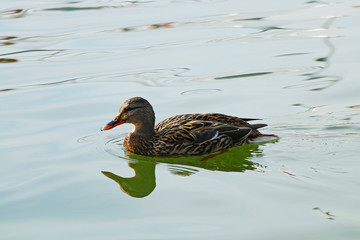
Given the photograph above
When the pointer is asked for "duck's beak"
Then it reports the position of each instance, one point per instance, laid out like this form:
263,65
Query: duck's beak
112,124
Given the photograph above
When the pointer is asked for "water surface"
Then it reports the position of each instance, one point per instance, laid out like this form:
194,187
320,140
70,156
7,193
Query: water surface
66,67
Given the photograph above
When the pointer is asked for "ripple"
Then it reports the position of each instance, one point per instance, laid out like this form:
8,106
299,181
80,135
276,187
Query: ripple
42,53
291,54
266,28
327,214
89,138
199,91
114,145
317,83
343,126
182,171
39,85
170,77
111,143
13,13
243,75
70,9
321,122
7,89
8,60
355,106
202,1
151,78
7,40
262,26
93,6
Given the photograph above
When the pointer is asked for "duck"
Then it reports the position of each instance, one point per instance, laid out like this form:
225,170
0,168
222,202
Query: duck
181,135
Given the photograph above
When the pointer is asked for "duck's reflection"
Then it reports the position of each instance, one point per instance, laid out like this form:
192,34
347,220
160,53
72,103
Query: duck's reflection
143,183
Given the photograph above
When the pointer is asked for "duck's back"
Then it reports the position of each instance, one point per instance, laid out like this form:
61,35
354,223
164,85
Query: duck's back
213,117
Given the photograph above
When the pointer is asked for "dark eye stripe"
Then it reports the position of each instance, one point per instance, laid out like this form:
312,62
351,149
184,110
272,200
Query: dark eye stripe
130,109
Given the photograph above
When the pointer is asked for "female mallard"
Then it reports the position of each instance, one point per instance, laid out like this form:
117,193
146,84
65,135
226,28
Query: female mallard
186,134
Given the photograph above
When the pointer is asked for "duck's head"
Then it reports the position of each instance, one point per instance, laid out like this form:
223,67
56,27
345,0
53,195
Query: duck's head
137,111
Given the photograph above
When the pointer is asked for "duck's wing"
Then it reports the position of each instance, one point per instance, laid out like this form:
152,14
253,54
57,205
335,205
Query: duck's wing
218,117
214,117
173,121
200,137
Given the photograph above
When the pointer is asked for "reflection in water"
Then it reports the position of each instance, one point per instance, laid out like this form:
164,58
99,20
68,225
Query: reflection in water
30,51
327,214
161,25
5,41
245,75
78,6
326,80
198,91
69,9
8,60
14,13
143,183
267,28
355,106
6,90
317,79
152,78
251,19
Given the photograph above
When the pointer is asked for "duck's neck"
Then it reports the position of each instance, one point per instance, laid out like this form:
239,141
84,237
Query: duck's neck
138,140
145,128
145,131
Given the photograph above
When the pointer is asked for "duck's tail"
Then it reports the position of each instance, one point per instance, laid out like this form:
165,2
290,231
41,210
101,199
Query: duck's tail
257,136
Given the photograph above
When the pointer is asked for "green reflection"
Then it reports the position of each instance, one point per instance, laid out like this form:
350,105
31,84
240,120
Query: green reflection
143,183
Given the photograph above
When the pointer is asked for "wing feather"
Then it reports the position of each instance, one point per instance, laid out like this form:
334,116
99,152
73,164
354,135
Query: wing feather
194,137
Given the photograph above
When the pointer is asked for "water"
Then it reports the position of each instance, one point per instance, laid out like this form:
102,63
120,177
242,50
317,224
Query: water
66,67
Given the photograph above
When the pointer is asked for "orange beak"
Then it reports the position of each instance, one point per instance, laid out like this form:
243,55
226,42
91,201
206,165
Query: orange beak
112,124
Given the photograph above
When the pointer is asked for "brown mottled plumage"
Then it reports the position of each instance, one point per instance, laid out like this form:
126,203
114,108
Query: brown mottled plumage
187,134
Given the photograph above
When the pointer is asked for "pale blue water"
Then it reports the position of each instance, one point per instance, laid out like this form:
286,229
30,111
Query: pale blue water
66,67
